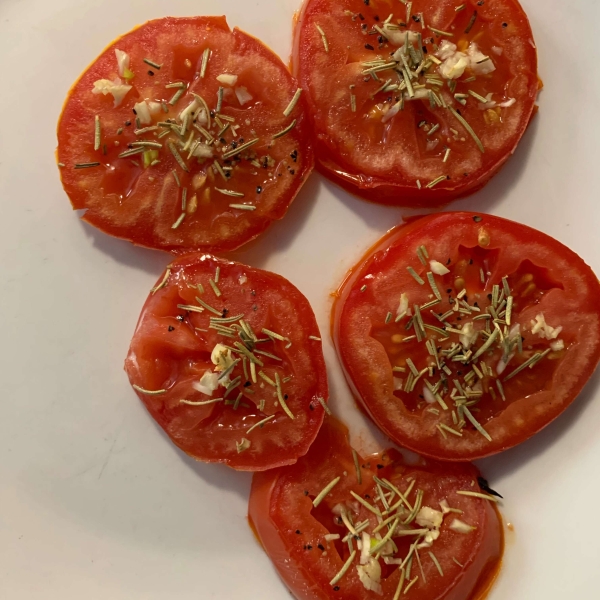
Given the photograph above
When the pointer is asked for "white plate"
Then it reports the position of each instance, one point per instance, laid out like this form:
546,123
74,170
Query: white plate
95,502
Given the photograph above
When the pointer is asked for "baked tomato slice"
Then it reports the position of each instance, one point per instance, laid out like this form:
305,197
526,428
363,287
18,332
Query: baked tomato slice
184,134
463,335
339,526
415,103
228,361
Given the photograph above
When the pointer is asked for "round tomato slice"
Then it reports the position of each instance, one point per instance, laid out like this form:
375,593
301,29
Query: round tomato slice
463,335
184,134
339,526
228,360
415,103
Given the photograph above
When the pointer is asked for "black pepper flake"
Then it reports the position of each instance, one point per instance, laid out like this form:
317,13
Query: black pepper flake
489,296
180,318
380,466
477,219
337,587
285,396
361,17
248,384
213,114
425,51
306,492
223,141
171,328
505,25
259,189
416,18
364,26
321,547
483,484
481,3
292,172
311,406
448,261
309,547
224,313
297,530
127,123
134,111
380,39
294,155
376,17
369,47
367,2
151,73
470,261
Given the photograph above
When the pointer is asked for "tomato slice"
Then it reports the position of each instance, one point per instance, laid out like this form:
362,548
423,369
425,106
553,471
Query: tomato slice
164,173
446,544
508,343
443,134
229,362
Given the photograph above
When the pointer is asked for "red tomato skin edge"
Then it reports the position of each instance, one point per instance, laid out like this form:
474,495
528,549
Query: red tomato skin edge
309,167
380,191
238,462
299,582
344,289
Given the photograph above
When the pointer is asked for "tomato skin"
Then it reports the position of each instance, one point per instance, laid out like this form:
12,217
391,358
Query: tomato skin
171,350
392,182
276,496
574,304
142,204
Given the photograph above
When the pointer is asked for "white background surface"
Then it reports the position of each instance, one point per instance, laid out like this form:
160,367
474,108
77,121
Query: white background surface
95,503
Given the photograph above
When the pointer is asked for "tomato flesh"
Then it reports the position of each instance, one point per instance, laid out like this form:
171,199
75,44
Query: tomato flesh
396,159
141,197
257,317
292,531
475,378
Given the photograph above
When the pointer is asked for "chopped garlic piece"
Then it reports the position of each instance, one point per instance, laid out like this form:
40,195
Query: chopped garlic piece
117,89
365,550
438,268
428,395
461,527
122,61
502,363
557,345
429,517
545,331
222,359
243,95
445,506
243,445
242,279
397,37
189,110
208,383
455,63
154,107
370,576
468,336
398,384
202,151
391,113
142,111
227,79
479,65
403,307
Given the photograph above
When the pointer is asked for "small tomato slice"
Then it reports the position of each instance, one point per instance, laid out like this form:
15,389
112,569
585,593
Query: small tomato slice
176,138
228,361
463,335
437,542
415,103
